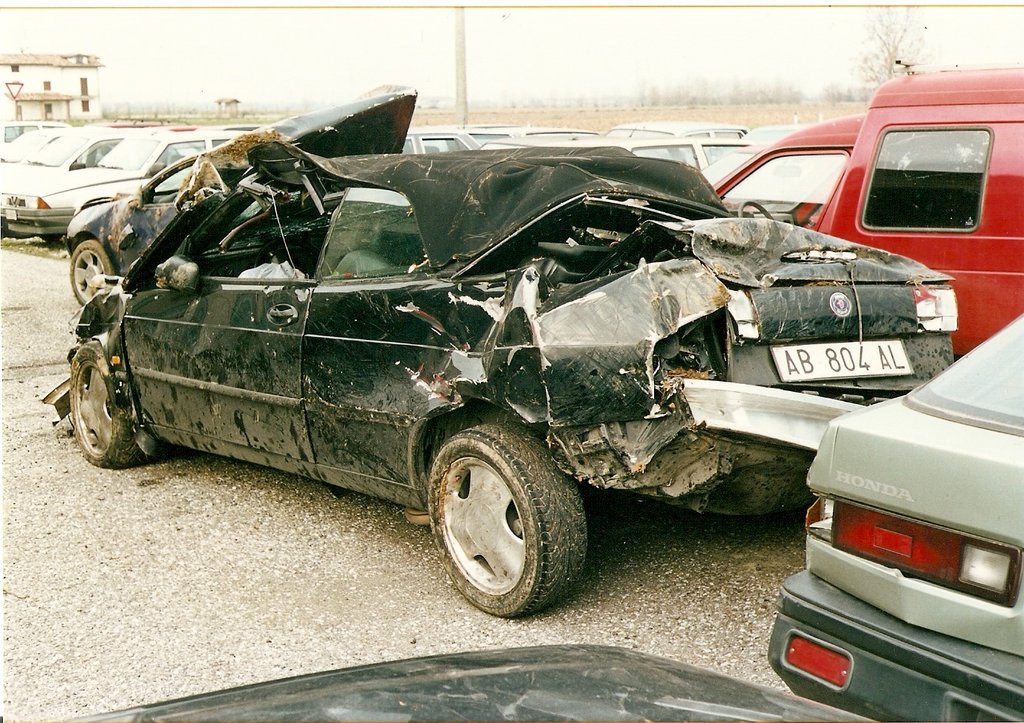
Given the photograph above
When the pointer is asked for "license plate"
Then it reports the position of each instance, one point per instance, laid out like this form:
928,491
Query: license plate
841,360
10,214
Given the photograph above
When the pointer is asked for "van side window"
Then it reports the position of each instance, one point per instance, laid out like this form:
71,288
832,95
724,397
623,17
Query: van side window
928,179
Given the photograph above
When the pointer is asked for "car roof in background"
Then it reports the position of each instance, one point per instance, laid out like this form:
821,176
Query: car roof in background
767,134
834,132
597,141
680,128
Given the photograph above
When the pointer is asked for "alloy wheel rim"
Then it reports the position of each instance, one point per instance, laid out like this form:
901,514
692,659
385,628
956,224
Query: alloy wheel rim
482,527
94,418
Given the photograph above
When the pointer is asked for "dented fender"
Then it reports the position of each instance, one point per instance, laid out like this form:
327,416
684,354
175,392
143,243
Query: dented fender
595,353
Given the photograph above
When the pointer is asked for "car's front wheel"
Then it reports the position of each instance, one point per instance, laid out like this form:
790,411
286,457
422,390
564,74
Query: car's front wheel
88,260
510,526
103,428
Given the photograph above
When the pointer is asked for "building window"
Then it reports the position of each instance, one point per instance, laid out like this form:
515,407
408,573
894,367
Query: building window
46,85
85,106
15,68
85,86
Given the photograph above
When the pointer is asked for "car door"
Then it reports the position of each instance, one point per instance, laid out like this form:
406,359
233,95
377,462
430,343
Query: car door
218,368
141,222
379,345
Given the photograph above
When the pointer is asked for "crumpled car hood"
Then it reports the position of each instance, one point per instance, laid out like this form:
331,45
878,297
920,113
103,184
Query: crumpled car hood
469,201
759,253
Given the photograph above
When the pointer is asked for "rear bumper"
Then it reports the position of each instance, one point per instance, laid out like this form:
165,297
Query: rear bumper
897,671
37,221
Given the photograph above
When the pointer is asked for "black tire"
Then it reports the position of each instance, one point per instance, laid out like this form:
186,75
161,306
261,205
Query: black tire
509,524
103,430
88,259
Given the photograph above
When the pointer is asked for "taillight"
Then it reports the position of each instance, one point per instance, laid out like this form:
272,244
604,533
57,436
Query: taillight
986,569
936,308
817,660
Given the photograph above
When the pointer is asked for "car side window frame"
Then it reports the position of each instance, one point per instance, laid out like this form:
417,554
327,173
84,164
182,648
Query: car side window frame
366,243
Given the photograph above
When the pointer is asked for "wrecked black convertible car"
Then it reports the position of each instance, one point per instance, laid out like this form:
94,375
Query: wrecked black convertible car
106,237
477,334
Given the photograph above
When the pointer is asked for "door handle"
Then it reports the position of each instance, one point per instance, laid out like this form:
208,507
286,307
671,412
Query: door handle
282,314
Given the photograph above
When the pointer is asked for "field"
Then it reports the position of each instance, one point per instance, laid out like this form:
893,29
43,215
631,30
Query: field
601,119
584,117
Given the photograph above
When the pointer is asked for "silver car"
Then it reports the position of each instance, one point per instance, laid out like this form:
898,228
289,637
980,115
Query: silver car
910,607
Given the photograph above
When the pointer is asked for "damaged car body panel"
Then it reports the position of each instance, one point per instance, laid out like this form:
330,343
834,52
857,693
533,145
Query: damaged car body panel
419,328
125,226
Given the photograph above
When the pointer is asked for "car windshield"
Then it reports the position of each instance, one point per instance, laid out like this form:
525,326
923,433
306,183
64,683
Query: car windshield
130,155
19,149
984,388
794,179
58,151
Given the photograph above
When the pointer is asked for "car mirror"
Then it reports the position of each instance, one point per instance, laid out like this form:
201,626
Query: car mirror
76,166
178,273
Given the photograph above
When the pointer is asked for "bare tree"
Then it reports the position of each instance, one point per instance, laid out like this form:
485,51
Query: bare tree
893,33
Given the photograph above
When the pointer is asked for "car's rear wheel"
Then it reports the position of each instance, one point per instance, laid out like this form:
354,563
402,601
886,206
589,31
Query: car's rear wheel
88,260
510,526
103,429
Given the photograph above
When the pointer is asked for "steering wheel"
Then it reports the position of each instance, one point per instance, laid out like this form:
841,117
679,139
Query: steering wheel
756,207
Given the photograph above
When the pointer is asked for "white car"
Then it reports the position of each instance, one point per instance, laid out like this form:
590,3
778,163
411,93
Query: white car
25,145
42,193
13,130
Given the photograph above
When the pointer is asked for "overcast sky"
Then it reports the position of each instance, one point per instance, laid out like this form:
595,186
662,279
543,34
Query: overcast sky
315,55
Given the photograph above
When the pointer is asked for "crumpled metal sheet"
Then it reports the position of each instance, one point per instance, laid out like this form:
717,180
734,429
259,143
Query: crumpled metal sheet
759,253
598,350
469,202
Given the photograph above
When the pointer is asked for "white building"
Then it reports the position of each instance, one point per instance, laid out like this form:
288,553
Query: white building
50,87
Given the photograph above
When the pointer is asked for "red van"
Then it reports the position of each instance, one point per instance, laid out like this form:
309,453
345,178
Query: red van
934,171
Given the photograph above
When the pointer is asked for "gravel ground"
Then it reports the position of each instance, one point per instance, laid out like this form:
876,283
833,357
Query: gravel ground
197,573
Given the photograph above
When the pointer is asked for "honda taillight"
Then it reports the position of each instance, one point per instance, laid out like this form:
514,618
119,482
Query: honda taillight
986,569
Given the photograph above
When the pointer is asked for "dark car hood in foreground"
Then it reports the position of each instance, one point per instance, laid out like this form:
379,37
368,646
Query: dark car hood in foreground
564,682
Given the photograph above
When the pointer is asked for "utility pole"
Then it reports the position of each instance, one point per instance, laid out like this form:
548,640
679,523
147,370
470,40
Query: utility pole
461,107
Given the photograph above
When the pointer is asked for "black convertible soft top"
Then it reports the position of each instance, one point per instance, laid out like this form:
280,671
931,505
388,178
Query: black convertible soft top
466,202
